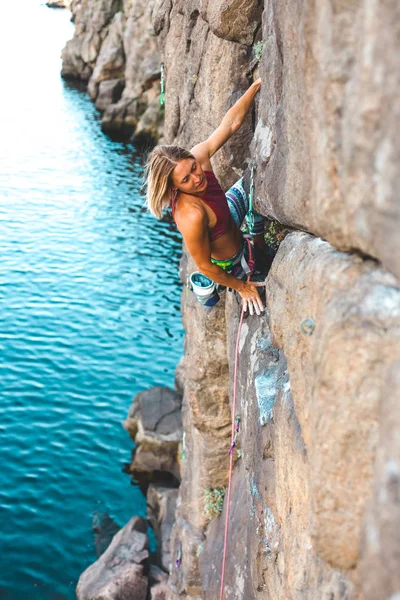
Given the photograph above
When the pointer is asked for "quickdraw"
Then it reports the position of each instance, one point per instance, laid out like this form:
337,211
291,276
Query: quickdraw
183,451
234,441
162,94
178,561
250,214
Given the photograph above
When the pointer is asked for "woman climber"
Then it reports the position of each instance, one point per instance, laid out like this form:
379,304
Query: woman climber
208,220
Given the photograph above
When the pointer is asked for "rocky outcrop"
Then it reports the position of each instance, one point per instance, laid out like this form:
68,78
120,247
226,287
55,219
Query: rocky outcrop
92,21
115,50
309,401
138,110
155,425
120,571
125,568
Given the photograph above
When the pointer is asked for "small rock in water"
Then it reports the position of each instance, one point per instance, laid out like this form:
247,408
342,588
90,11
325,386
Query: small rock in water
104,528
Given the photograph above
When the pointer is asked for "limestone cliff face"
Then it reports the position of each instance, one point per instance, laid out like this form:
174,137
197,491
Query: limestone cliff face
314,508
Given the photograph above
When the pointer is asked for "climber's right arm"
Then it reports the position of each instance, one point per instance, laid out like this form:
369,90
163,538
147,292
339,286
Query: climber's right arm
229,125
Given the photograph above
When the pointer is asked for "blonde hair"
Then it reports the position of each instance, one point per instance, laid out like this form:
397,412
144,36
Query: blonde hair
160,164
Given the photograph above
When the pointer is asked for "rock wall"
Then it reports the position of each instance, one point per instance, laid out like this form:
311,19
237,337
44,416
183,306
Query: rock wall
314,506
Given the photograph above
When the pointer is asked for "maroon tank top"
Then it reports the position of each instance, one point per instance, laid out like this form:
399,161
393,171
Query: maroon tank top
215,198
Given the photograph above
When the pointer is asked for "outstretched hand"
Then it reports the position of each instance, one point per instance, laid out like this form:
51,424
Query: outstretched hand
251,298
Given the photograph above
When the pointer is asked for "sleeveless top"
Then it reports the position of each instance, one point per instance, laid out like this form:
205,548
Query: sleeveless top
215,198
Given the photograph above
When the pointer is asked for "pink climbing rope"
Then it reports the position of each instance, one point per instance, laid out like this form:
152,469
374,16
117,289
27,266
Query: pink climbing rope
221,595
228,498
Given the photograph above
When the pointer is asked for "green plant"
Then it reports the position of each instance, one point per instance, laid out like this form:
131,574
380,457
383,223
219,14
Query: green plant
258,50
213,502
274,234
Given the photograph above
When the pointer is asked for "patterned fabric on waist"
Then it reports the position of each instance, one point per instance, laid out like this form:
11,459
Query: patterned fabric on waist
233,265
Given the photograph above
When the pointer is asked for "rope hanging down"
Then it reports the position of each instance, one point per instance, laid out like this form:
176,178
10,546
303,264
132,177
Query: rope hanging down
236,419
235,430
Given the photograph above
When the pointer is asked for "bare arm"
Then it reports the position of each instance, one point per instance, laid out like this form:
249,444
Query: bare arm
229,125
194,229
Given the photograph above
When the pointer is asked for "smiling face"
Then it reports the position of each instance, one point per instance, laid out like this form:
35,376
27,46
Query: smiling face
189,177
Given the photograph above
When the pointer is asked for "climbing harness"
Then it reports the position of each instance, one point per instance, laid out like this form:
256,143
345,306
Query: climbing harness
162,94
250,264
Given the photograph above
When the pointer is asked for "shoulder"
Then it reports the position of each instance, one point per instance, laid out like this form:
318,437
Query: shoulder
189,213
201,153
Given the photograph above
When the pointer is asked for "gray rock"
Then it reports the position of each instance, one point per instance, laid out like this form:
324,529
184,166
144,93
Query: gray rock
119,573
180,377
92,19
110,63
160,591
326,139
349,300
109,92
157,575
238,572
233,20
138,111
380,548
156,412
161,506
116,41
155,425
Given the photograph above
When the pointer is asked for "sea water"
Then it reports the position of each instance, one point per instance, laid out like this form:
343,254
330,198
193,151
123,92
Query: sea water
89,312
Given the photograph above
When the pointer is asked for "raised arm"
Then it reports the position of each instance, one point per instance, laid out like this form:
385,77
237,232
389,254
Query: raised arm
229,125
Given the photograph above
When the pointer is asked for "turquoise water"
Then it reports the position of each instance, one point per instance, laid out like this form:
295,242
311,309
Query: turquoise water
89,312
